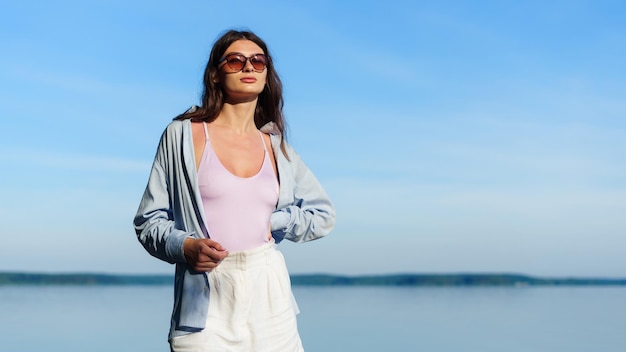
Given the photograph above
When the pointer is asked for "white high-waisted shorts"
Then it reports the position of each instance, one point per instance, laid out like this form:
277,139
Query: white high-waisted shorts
251,306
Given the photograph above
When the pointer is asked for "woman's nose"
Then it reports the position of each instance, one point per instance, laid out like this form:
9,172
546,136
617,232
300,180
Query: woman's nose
247,67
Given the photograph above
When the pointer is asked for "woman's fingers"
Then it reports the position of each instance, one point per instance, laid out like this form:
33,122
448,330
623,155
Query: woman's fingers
212,251
204,254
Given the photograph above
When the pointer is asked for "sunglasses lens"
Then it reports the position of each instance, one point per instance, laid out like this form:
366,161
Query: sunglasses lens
236,62
258,62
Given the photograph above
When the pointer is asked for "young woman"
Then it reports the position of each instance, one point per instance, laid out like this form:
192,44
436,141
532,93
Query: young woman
223,189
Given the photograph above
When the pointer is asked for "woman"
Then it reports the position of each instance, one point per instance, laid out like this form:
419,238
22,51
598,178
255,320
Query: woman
223,189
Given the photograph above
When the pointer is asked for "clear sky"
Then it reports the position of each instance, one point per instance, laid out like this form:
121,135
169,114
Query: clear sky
452,136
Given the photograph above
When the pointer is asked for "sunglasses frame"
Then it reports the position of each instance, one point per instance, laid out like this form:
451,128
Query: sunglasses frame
247,59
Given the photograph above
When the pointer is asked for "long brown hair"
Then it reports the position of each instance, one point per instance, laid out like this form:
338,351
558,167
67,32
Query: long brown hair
269,106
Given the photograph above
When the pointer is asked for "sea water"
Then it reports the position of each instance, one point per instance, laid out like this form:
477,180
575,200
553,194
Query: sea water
482,319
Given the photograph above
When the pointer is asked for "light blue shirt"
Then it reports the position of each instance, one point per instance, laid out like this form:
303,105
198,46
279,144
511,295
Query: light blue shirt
171,211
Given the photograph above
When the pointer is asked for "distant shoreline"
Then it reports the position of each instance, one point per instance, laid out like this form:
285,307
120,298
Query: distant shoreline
425,280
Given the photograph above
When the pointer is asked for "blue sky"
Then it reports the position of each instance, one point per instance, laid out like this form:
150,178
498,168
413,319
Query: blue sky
452,136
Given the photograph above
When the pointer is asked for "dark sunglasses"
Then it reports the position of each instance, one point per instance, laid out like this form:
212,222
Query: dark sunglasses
237,61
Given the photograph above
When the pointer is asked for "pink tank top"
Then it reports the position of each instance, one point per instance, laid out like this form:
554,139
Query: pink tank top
237,209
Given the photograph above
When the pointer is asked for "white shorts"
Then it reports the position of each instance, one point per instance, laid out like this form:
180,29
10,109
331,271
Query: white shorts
251,306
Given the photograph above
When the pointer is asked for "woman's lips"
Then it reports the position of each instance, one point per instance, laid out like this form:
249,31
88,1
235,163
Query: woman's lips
248,79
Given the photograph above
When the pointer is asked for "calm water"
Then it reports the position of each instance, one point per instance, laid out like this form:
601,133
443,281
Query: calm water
99,319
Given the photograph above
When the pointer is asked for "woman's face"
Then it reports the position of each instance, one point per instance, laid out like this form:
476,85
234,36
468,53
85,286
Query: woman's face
242,71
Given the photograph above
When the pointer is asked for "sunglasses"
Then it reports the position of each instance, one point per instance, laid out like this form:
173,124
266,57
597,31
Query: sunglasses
237,61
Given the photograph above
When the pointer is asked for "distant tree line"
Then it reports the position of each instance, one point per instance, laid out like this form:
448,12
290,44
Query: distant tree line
83,279
448,280
318,280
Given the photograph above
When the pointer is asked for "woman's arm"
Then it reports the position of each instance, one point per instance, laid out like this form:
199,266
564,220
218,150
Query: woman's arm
154,224
309,214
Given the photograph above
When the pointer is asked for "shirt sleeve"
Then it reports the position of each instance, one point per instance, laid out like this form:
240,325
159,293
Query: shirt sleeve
153,222
311,214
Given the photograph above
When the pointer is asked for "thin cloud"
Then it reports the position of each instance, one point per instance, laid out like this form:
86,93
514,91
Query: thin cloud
58,160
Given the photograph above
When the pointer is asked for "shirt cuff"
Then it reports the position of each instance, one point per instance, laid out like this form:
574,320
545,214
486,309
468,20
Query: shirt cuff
279,220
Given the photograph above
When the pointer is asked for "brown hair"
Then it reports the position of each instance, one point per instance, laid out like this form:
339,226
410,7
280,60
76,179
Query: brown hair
269,106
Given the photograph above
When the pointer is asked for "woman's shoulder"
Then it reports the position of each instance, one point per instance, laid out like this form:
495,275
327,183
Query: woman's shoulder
270,128
176,127
175,124
175,132
180,122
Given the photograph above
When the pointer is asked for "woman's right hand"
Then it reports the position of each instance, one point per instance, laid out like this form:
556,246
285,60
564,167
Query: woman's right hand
203,254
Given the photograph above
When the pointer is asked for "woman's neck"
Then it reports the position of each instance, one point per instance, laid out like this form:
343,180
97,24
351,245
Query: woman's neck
237,117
